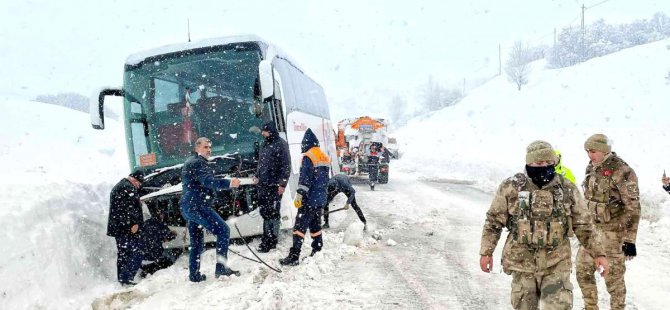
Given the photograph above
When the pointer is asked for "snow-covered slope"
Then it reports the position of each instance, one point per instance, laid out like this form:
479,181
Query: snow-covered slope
483,138
55,184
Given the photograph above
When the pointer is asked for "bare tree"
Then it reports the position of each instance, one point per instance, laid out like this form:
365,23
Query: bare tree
398,110
518,67
436,96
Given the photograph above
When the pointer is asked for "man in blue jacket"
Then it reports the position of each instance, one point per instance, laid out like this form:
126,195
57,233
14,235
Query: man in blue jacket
274,169
199,187
311,198
125,218
340,183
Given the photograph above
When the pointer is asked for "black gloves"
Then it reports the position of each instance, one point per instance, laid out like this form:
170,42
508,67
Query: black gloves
629,249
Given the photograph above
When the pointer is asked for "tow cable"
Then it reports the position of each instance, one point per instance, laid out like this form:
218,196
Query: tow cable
252,252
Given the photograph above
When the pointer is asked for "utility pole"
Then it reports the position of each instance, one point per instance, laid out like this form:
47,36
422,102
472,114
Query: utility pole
463,93
499,59
583,9
555,37
583,52
188,27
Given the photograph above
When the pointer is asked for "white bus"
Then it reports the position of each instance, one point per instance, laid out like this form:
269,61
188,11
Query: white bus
223,89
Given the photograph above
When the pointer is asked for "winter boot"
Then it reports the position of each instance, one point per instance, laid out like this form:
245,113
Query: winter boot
227,272
293,258
314,252
263,249
325,225
372,186
290,260
198,278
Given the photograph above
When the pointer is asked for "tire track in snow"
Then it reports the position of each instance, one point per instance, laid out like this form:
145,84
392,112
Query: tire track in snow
419,272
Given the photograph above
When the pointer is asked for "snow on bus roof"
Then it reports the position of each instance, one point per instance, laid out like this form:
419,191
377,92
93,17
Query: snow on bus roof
272,50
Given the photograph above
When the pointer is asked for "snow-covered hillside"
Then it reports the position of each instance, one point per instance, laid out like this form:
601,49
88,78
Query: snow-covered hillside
483,138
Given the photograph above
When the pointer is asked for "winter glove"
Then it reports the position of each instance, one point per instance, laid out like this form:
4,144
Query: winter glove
298,201
629,249
346,207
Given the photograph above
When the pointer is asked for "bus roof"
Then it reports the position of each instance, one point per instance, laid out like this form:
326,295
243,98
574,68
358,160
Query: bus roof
271,50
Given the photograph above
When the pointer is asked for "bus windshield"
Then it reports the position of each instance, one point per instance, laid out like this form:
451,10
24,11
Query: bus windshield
173,99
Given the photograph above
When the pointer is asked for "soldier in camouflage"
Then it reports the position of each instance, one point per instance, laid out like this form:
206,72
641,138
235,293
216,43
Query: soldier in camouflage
540,209
612,195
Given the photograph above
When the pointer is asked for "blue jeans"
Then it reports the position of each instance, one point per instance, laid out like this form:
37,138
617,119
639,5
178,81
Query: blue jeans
129,257
198,218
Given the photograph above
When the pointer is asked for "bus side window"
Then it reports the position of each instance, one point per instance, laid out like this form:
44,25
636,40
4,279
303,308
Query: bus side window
278,110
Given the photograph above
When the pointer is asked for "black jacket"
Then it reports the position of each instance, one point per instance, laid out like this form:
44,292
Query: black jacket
386,155
340,183
154,232
125,209
274,162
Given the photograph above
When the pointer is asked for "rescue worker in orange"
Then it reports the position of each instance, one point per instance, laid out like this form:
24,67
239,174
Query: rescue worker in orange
312,196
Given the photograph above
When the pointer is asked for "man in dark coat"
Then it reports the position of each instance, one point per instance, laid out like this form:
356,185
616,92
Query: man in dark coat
340,183
274,169
125,218
199,187
385,155
311,197
373,165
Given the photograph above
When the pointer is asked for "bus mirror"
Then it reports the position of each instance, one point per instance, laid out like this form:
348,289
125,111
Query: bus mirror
97,103
266,80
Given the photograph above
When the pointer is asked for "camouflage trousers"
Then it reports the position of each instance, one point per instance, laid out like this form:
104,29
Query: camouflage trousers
614,280
552,288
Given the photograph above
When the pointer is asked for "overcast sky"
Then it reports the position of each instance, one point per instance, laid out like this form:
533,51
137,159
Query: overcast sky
347,46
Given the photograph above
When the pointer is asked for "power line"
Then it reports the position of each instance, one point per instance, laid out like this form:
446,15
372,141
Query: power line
597,4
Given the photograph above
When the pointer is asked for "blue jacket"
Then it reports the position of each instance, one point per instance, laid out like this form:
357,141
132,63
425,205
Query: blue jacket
274,162
198,185
340,183
314,172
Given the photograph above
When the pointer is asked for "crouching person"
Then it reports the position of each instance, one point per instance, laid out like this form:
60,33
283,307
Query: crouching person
311,198
154,233
340,183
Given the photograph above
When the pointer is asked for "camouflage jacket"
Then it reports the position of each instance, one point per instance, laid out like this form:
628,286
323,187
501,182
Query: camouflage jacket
521,257
613,197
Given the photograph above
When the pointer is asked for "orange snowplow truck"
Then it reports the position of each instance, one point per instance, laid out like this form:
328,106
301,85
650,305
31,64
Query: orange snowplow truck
354,137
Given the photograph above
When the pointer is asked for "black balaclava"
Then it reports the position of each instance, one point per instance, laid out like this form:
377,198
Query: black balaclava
541,175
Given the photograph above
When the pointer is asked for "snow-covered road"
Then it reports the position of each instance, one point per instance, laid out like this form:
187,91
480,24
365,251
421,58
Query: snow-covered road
427,258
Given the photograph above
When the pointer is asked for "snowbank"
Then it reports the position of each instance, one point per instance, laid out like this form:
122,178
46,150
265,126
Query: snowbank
55,191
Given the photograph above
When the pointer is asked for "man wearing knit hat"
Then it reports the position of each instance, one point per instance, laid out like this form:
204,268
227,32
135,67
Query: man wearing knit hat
612,195
540,209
